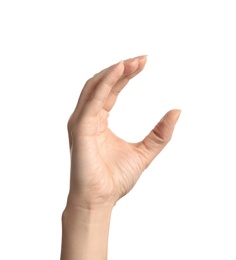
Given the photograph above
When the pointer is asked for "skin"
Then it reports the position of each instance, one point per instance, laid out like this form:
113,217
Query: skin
104,167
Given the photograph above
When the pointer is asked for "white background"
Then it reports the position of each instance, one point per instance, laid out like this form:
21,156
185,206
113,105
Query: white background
183,207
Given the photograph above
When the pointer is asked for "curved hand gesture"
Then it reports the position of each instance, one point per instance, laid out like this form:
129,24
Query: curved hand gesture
103,166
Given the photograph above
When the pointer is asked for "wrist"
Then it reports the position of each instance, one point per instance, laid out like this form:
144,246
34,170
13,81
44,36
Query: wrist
85,232
83,215
86,212
78,201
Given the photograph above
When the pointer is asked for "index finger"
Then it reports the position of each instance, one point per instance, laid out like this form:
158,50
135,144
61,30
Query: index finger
103,89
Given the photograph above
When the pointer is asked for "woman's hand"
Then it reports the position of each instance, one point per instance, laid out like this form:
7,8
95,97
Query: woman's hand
103,166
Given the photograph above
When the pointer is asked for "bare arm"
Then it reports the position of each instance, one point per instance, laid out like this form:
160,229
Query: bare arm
104,167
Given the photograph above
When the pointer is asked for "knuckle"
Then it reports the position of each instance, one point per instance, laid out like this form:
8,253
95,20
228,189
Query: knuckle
162,133
90,80
69,124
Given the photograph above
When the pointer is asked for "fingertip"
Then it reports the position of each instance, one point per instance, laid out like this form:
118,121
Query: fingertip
177,113
142,61
171,116
130,66
120,63
142,57
120,67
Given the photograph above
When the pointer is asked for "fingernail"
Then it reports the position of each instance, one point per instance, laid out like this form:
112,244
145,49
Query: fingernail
120,62
131,59
142,56
179,112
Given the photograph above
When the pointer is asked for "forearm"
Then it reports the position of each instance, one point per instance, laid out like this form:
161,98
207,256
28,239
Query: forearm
85,233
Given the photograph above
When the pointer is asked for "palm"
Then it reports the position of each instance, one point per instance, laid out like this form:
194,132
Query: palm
105,164
122,162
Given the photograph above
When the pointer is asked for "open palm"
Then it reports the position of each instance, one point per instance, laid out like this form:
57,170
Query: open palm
103,166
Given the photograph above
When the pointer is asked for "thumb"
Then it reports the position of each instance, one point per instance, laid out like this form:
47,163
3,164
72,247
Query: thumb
159,137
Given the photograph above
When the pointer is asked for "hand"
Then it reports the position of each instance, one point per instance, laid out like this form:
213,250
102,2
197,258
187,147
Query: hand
103,166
